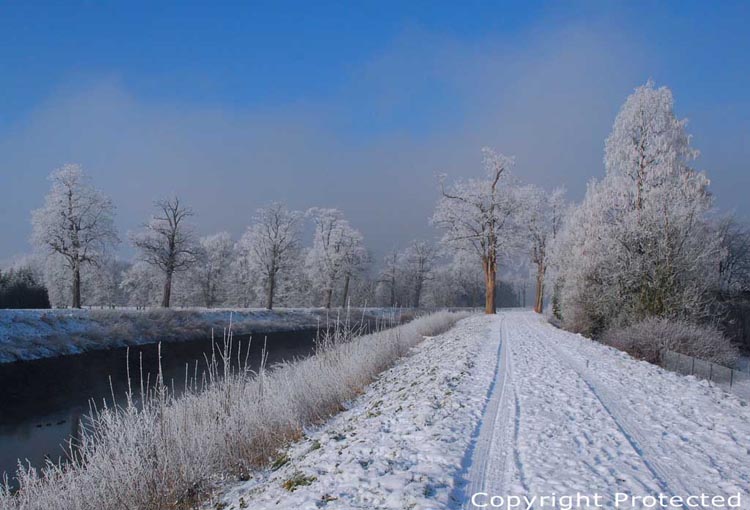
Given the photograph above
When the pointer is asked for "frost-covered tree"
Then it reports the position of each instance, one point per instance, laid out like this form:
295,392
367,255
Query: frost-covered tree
75,224
389,277
167,242
242,280
354,259
641,243
105,284
363,291
483,216
143,284
418,262
271,246
543,220
336,254
209,275
734,270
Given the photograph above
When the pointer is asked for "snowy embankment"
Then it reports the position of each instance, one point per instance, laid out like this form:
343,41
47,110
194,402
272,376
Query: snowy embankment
34,334
400,445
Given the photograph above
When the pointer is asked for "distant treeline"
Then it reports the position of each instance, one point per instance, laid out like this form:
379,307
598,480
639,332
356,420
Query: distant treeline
20,289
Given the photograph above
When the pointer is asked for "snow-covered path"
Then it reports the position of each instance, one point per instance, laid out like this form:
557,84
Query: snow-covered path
508,405
567,416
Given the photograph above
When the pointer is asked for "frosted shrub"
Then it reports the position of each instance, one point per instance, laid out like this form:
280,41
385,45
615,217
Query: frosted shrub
171,451
648,338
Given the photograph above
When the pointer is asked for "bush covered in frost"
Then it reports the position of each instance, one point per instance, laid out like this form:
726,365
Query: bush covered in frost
648,338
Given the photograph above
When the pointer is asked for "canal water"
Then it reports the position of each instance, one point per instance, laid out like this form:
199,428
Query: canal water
42,401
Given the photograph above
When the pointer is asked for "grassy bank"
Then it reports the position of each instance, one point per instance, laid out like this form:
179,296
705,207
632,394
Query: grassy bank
171,452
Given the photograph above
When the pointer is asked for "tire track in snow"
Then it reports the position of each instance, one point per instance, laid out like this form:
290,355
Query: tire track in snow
615,409
568,442
485,465
500,463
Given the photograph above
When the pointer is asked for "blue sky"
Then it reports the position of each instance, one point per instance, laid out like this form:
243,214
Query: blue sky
349,104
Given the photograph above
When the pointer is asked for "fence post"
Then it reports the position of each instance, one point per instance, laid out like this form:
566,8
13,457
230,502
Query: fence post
731,378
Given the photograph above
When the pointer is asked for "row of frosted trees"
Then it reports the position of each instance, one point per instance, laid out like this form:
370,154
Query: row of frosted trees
268,265
644,242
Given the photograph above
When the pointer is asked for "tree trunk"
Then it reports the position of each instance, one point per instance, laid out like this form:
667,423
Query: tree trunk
490,273
271,289
539,301
418,293
393,293
346,291
76,284
329,296
167,296
556,300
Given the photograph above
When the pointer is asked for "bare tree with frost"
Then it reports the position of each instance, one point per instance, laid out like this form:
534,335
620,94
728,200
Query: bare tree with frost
543,219
143,284
418,261
167,242
75,224
210,272
354,259
336,251
105,283
482,215
271,245
389,275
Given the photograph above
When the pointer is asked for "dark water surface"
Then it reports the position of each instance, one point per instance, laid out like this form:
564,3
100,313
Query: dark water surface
41,401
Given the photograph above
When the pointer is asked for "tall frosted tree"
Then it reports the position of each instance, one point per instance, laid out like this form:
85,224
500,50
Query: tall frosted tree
75,224
167,242
642,244
483,216
271,246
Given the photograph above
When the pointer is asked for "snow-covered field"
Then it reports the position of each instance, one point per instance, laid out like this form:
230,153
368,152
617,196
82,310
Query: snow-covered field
34,334
511,406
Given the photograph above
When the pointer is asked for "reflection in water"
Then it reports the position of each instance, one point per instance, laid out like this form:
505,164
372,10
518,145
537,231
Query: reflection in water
42,401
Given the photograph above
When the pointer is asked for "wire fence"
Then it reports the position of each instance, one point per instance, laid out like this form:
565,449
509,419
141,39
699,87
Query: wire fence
732,380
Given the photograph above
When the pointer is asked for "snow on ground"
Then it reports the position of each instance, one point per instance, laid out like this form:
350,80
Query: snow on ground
579,417
34,334
510,405
399,445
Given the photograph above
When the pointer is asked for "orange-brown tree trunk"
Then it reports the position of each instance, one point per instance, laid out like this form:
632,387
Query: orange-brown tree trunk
539,300
490,273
